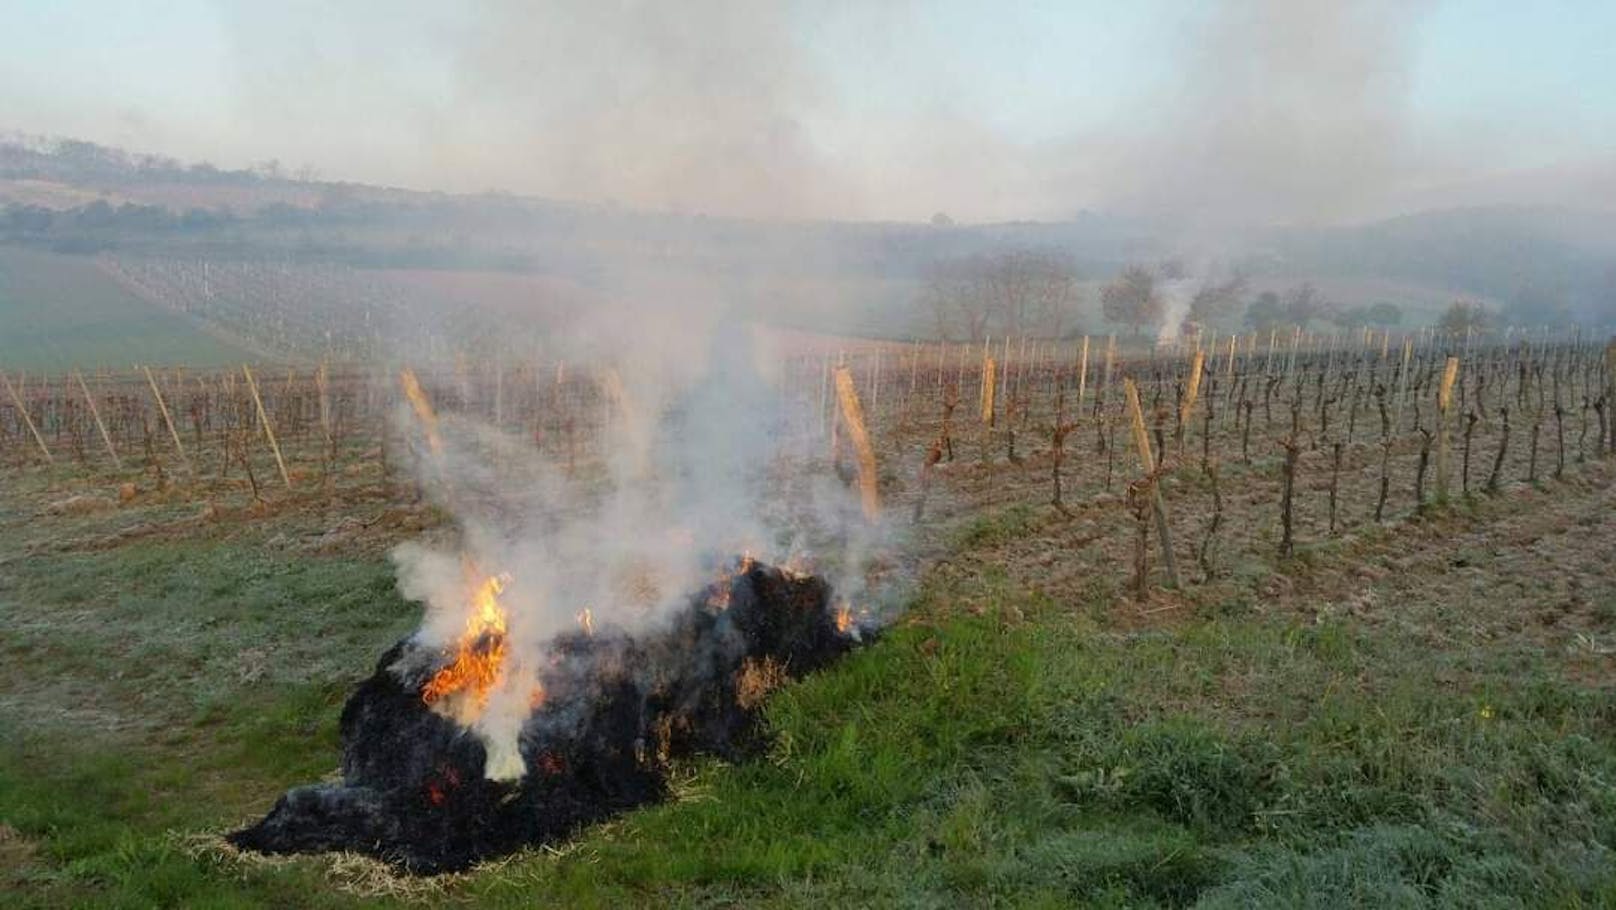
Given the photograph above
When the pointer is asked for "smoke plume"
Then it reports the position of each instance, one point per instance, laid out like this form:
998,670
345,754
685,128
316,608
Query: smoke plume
702,461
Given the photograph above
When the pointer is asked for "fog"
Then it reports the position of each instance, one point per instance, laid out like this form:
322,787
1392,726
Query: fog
1271,111
1246,111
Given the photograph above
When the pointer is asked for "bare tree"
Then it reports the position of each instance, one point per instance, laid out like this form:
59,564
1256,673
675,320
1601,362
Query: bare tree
1033,290
1016,292
1303,304
1463,316
1217,298
956,293
1131,299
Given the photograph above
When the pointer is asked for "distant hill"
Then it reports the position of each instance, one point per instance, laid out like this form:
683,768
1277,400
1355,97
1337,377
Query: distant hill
1542,264
310,254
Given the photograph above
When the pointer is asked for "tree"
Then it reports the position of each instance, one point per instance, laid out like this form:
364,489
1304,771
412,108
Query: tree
957,297
1215,299
1385,314
1015,292
1357,317
1032,291
1351,317
1464,317
1131,299
1540,303
1265,313
1303,304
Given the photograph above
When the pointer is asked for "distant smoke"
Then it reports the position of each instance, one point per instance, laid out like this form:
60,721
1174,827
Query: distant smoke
1176,294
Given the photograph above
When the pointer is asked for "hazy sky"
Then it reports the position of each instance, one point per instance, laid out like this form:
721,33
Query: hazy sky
1280,110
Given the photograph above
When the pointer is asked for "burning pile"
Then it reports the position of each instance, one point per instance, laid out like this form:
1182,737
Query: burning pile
607,711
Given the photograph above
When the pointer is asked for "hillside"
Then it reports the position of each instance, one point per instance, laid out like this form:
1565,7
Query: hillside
60,311
301,268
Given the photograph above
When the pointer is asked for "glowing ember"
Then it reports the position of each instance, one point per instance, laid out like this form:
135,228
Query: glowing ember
844,619
719,598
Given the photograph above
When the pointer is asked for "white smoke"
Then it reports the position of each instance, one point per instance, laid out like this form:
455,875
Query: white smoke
700,465
1176,294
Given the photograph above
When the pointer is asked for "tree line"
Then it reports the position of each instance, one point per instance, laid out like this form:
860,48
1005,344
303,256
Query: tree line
1040,292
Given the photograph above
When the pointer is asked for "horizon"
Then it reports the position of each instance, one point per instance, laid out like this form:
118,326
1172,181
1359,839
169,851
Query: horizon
142,158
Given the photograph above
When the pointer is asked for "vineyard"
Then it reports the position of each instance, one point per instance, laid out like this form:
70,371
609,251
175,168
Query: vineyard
1294,649
283,309
732,455
1183,460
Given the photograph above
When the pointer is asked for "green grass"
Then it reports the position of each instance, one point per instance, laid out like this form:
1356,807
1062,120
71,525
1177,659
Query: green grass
1025,755
59,312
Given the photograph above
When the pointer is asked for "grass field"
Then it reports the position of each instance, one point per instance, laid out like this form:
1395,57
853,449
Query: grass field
1322,732
59,312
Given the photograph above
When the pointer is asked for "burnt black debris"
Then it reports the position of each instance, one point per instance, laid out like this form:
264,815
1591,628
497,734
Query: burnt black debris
616,708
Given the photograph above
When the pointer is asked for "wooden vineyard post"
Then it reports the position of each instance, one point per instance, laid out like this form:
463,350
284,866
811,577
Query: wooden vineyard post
1105,378
1228,377
1082,374
1296,344
322,384
1444,401
1402,385
859,435
989,372
99,425
29,421
1191,392
269,432
1005,365
168,421
323,388
1141,439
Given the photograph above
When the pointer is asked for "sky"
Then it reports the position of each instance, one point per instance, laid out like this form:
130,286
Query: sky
1276,111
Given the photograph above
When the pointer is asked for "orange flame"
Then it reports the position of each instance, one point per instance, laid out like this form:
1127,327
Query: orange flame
586,621
480,653
423,408
844,619
718,598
